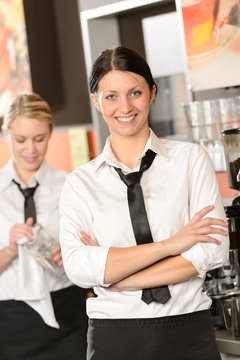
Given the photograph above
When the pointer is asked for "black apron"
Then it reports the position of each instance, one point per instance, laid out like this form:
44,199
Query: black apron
24,335
182,337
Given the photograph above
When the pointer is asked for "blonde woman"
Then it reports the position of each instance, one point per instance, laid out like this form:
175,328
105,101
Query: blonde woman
42,313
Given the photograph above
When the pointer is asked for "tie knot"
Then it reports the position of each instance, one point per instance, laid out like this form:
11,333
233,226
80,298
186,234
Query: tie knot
28,192
131,178
135,177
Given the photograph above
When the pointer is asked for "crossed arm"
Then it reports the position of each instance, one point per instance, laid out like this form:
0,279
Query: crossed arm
159,263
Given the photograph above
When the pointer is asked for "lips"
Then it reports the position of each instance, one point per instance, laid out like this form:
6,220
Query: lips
126,119
30,159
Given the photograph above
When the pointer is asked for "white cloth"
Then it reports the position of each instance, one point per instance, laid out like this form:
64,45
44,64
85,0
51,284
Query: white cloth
26,279
180,182
31,286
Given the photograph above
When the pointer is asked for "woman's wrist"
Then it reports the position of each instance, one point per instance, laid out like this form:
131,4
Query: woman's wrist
163,248
9,253
6,257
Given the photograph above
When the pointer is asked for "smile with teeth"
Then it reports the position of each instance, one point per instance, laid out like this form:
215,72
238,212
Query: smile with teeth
126,119
30,158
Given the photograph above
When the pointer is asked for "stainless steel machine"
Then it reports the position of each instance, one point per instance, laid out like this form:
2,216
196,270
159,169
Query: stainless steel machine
223,284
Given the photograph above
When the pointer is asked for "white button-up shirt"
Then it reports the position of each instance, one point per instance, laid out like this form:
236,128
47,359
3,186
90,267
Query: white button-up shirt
180,182
46,200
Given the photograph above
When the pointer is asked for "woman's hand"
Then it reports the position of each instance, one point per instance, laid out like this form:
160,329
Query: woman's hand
199,229
86,240
137,258
17,232
56,256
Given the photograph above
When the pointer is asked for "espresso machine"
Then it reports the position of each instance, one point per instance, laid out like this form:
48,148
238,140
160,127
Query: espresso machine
223,284
231,144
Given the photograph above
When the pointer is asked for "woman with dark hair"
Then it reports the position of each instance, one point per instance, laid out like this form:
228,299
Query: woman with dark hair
142,224
42,314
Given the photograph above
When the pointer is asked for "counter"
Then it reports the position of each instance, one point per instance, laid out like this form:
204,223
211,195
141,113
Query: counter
226,344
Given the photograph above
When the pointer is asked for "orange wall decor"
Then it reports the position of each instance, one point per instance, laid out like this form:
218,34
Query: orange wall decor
59,150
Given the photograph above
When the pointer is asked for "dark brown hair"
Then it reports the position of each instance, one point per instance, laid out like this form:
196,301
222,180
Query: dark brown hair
123,59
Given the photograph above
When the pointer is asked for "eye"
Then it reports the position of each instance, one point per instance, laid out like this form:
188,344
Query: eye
111,97
39,139
135,93
19,140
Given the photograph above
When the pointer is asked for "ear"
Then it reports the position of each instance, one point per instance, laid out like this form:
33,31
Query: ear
5,133
95,101
153,93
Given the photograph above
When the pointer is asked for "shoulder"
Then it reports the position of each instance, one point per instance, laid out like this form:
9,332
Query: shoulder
88,170
6,175
50,176
84,179
58,173
176,148
3,172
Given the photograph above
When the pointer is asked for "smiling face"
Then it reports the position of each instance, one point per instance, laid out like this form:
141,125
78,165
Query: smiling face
28,142
124,98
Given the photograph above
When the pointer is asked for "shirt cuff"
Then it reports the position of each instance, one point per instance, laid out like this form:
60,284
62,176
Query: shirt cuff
201,257
98,259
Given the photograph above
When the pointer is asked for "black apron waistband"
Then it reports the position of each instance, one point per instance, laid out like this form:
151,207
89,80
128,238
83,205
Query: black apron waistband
162,321
181,337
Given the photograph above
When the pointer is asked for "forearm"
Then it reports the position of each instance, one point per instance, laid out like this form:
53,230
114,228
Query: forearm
6,257
167,271
123,262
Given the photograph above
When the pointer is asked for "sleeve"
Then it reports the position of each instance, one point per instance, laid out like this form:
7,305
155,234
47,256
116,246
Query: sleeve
203,191
84,265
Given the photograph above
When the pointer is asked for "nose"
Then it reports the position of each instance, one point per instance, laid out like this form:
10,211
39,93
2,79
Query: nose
126,105
30,147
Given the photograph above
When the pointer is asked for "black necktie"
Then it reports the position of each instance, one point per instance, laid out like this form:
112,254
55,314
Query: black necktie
138,214
29,205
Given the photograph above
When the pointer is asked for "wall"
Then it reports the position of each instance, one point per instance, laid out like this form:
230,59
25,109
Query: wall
57,59
93,4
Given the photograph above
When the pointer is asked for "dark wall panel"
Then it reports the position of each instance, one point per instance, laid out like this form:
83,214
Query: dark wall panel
44,52
57,58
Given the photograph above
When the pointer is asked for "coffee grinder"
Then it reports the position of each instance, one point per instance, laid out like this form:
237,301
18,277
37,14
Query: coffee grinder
231,143
223,284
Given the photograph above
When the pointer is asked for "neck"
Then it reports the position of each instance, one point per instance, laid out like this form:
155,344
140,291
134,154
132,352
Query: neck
128,149
25,176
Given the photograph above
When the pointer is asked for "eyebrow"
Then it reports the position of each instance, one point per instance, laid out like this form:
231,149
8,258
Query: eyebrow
115,91
23,136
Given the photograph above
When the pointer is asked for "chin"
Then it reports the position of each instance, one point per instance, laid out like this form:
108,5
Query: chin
32,167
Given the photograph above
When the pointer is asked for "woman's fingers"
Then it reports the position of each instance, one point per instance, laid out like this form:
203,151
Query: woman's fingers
55,256
87,240
209,239
201,213
209,226
212,221
199,229
18,232
208,229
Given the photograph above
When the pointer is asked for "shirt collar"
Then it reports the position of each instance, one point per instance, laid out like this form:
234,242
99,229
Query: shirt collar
157,145
154,143
8,173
